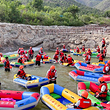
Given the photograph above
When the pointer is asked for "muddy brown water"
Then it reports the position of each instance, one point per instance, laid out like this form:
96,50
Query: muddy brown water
63,79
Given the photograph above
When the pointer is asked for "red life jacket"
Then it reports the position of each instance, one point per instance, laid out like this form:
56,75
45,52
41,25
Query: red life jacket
22,73
89,52
87,58
65,58
57,52
61,54
69,60
77,50
30,52
56,57
63,46
103,41
45,57
104,94
21,52
41,52
83,49
98,50
104,51
100,57
84,103
7,64
20,60
38,57
51,74
104,69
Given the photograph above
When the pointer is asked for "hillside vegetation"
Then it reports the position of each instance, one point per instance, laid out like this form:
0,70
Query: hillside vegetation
50,12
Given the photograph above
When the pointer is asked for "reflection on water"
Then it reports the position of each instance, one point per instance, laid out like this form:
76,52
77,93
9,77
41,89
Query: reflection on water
63,77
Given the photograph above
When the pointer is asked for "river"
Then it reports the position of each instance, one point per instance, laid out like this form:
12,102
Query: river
63,79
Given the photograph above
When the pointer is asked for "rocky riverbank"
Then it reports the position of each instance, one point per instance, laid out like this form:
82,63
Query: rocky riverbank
13,36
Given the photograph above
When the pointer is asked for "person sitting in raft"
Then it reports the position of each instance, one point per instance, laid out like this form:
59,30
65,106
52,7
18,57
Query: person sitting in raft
30,53
38,58
21,74
57,50
103,42
63,46
101,56
7,64
104,51
83,48
83,102
62,60
41,51
65,58
61,54
98,49
45,56
106,69
77,49
52,74
89,51
20,60
55,57
88,58
25,58
0,56
102,90
70,60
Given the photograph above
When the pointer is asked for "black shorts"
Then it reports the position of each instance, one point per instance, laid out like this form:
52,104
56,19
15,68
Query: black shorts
88,63
52,82
100,60
30,56
7,69
38,63
103,45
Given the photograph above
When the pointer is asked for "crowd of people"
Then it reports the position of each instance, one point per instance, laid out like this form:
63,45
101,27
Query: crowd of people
60,57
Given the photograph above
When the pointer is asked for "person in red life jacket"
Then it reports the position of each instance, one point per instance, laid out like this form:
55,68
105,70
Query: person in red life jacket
38,58
52,74
89,51
57,50
61,54
25,58
106,68
102,90
45,56
30,53
21,51
65,58
0,56
20,60
55,57
88,58
70,60
61,60
41,51
98,49
103,42
63,46
101,56
77,49
83,49
7,64
104,51
83,102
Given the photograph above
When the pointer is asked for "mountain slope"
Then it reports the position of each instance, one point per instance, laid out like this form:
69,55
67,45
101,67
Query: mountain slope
104,5
66,3
90,3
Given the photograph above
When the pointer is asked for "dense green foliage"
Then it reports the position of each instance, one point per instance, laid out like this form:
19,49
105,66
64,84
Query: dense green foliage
50,12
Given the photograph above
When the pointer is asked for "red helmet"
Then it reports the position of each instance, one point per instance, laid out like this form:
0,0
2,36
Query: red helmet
68,55
21,67
30,47
55,52
57,47
104,47
101,79
84,94
41,48
52,67
108,62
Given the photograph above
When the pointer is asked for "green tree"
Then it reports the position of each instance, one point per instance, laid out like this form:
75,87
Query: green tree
107,14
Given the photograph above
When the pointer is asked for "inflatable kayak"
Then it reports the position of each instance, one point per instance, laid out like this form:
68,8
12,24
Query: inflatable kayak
93,88
91,68
34,82
78,75
100,63
94,55
18,100
57,97
64,50
12,57
16,64
75,53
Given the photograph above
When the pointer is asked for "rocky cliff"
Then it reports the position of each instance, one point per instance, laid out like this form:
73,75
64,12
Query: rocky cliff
13,36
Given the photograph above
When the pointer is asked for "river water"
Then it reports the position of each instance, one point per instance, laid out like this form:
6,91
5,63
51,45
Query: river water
63,79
